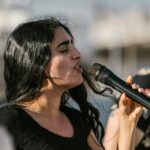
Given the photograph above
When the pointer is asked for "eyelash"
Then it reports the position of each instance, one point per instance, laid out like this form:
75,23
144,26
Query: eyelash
64,51
67,49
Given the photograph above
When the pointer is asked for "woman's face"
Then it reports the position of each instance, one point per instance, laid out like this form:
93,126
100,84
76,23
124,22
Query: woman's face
64,66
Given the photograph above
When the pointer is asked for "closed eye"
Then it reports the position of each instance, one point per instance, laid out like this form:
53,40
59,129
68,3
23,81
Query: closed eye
64,46
63,43
64,50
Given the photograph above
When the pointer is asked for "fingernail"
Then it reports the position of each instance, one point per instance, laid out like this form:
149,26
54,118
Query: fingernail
141,90
148,94
134,86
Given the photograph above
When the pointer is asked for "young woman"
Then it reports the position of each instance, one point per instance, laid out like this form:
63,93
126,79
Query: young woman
41,69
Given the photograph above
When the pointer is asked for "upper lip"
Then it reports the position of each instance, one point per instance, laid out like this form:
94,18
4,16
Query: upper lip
77,65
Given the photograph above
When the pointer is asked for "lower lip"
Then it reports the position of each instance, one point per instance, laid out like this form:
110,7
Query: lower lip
79,69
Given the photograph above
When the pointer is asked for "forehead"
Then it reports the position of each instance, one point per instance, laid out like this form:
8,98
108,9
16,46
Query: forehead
61,34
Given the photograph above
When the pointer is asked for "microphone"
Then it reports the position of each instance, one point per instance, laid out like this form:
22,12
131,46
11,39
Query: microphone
105,76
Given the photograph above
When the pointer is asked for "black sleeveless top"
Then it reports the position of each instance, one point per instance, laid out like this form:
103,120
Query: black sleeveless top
29,135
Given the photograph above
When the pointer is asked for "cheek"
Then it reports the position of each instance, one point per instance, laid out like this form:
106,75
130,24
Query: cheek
59,67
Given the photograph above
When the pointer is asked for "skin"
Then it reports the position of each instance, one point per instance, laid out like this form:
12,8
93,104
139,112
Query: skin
126,130
64,67
65,72
120,129
139,133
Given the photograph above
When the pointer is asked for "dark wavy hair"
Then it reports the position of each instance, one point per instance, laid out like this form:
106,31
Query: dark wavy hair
26,56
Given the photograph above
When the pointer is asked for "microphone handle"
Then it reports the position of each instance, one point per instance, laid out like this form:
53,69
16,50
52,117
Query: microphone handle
122,86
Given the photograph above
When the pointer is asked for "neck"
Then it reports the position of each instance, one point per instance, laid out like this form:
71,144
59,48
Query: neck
47,103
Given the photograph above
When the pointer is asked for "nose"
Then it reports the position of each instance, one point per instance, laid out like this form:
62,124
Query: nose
76,54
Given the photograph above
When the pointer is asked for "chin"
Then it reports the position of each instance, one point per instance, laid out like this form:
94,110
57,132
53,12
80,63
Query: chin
75,84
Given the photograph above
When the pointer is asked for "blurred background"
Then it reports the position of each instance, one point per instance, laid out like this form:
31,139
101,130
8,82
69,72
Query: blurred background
115,33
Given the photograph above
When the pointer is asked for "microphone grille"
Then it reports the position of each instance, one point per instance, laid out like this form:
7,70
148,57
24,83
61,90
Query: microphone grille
98,71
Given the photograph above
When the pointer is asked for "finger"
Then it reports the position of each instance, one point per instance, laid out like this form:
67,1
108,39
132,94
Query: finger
122,103
141,90
126,105
147,94
126,101
136,114
135,86
129,79
123,100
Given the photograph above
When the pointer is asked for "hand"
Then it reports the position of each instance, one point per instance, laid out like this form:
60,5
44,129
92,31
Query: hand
147,92
129,110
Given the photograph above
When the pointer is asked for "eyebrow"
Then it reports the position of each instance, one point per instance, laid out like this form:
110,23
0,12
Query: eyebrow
66,42
63,43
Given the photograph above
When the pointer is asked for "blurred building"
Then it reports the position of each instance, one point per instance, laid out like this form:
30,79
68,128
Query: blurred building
121,40
120,35
115,33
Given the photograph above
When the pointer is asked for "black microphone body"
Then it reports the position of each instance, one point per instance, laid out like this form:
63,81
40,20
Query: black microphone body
105,76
